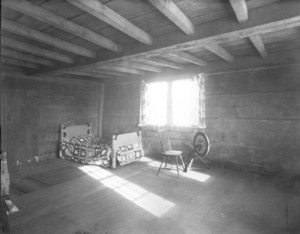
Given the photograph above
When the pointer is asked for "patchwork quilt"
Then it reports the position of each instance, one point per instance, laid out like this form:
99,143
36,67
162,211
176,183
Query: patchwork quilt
129,153
86,150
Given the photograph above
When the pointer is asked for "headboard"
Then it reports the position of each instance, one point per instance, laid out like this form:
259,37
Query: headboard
75,130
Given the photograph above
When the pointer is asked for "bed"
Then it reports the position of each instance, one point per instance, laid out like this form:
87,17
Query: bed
78,144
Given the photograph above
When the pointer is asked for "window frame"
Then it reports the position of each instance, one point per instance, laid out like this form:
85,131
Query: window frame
201,124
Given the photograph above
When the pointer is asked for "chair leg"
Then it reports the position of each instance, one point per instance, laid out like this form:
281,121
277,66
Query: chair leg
162,162
177,167
166,162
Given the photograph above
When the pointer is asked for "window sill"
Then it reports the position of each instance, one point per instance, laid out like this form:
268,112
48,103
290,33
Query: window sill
171,128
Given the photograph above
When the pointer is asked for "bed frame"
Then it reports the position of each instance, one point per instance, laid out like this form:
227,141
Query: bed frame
75,130
123,140
117,140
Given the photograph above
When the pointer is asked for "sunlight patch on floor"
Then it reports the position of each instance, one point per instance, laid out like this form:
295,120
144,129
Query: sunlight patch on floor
194,175
150,202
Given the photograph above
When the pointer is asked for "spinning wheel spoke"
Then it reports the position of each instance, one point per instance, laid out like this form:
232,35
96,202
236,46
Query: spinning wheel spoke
201,144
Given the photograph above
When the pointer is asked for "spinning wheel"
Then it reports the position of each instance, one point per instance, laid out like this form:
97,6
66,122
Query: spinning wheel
201,144
199,149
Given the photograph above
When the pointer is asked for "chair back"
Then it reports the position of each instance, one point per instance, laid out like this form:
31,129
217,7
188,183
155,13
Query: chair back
164,139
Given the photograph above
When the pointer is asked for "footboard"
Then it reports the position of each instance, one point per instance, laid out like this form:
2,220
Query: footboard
124,140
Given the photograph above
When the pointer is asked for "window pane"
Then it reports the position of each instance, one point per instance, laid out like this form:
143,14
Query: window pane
185,103
156,103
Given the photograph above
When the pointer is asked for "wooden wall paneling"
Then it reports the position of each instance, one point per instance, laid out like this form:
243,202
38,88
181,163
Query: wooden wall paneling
101,108
36,109
22,119
28,133
252,119
3,113
121,108
12,126
273,79
271,105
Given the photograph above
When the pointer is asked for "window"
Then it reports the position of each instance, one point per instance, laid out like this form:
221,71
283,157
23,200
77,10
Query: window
174,103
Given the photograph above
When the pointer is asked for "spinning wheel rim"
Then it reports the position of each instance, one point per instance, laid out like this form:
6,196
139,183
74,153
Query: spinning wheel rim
200,136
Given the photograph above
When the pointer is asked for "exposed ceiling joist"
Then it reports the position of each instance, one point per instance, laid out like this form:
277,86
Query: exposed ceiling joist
112,18
163,63
240,9
22,30
272,18
101,72
25,57
173,12
259,45
189,58
28,48
119,68
140,66
18,63
220,51
91,74
48,17
9,67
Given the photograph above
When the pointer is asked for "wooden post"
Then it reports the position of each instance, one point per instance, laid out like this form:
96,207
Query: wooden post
113,153
5,181
62,127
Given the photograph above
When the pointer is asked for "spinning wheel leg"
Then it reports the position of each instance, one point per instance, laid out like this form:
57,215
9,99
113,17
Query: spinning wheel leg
205,164
189,164
183,164
162,162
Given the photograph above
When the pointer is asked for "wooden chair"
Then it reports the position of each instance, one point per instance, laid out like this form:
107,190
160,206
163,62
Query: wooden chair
168,152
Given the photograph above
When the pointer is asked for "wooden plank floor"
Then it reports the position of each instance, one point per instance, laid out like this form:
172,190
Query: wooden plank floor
132,199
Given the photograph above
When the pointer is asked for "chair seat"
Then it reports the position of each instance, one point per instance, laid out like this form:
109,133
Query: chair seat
172,153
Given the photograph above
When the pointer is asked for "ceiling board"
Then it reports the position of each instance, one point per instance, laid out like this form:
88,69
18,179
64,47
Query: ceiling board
205,14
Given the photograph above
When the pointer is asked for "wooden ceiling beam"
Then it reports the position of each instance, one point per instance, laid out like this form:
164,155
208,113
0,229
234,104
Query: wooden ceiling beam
173,13
28,48
22,30
102,12
48,17
119,68
139,65
18,63
162,62
26,57
220,51
268,19
240,9
90,73
8,67
259,45
109,72
189,58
